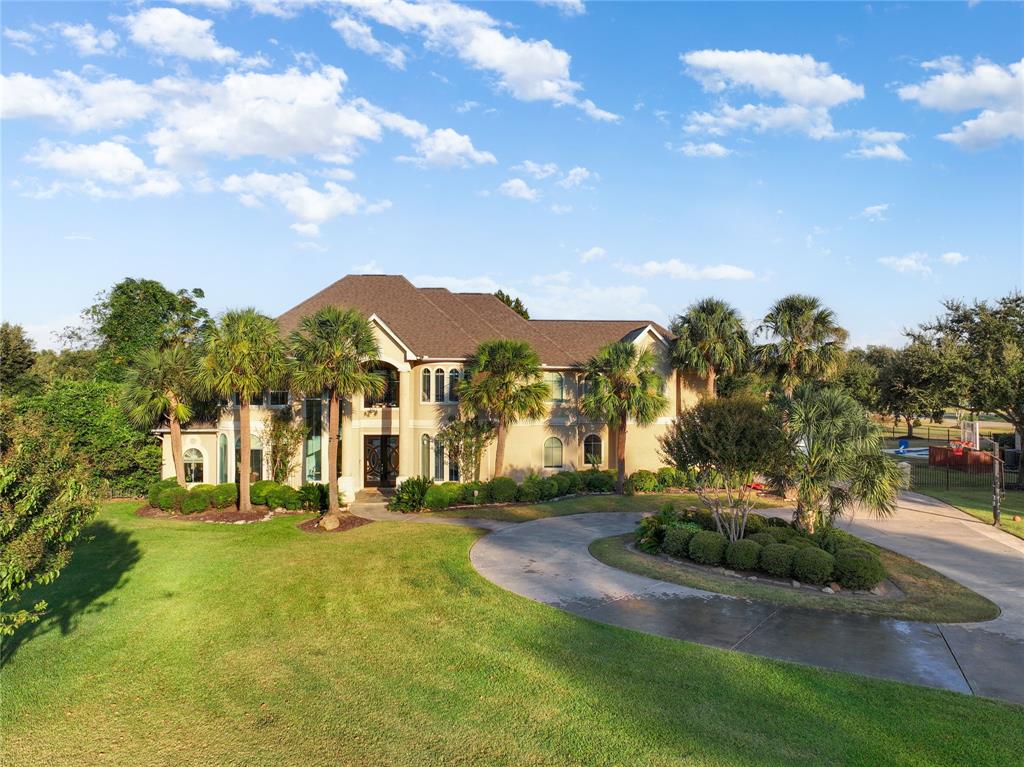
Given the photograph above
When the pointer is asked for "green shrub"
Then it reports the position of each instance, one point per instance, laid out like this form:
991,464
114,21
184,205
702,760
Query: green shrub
777,522
529,491
777,559
562,483
677,539
284,497
549,488
597,481
171,498
225,495
410,494
314,496
153,495
707,547
743,554
858,568
755,524
502,490
702,517
666,477
258,491
199,499
831,539
763,539
574,480
801,542
781,534
812,565
650,530
642,481
466,493
436,498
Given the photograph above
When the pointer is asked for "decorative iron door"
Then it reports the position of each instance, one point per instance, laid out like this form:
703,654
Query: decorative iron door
380,461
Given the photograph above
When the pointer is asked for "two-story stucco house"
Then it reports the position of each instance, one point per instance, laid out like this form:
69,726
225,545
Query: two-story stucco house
425,336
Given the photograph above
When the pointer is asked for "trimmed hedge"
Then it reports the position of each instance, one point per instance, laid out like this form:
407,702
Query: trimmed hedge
781,534
707,547
225,495
642,481
574,480
764,539
777,559
743,554
677,539
153,495
199,499
466,493
502,490
284,497
258,491
171,498
858,568
599,481
812,565
436,498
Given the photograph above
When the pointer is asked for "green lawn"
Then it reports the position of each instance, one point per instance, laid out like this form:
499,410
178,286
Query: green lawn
978,503
928,595
587,503
194,644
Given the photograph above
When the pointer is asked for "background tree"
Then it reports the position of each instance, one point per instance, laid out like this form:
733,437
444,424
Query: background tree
47,495
66,365
834,459
284,438
710,339
17,356
515,304
859,375
503,386
335,351
726,442
622,384
804,342
466,439
241,354
158,388
912,384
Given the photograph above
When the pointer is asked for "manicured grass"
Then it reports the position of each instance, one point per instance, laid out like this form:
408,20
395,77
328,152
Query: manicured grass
930,596
194,644
978,503
586,503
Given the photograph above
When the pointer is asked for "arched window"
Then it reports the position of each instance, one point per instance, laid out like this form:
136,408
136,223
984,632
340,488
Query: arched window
425,457
552,453
592,450
222,458
425,389
439,385
556,384
438,461
193,461
453,383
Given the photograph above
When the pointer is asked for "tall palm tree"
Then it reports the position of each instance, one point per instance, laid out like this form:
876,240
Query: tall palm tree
334,350
805,342
622,384
241,354
158,388
835,460
710,339
503,385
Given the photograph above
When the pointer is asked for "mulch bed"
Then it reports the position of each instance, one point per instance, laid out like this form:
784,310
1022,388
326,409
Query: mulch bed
348,521
228,516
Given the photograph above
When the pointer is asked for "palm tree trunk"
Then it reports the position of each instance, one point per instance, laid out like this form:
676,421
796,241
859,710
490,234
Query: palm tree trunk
709,390
499,449
620,458
244,502
176,446
910,427
333,506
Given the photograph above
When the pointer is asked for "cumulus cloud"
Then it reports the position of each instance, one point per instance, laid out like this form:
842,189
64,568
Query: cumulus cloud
578,177
592,254
22,39
536,170
87,40
679,270
518,189
879,145
563,295
912,263
566,7
952,258
170,32
75,102
873,212
447,148
359,36
709,149
996,90
105,169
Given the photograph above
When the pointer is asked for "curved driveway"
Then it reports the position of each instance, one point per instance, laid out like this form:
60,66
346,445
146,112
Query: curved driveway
548,560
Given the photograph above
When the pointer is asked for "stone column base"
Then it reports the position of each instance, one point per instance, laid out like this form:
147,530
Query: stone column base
347,489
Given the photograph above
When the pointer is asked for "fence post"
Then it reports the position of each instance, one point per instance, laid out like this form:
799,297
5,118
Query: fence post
997,486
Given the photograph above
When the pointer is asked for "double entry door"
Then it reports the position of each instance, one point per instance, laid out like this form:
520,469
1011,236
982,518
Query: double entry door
380,460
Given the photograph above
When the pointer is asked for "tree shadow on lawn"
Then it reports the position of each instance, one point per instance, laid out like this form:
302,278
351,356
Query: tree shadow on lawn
99,565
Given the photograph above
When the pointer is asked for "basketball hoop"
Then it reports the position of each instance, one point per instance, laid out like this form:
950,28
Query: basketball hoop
958,446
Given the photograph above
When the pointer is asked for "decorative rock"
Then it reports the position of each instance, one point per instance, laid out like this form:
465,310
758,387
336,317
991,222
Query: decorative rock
795,584
729,572
835,587
751,577
330,522
828,590
877,591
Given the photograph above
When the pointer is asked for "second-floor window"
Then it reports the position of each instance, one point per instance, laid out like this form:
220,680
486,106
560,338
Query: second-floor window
389,397
278,398
556,385
439,385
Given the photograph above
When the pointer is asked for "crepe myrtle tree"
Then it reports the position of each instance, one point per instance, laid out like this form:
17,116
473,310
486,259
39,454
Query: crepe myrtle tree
726,443
466,439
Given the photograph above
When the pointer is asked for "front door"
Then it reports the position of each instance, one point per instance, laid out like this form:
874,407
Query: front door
380,461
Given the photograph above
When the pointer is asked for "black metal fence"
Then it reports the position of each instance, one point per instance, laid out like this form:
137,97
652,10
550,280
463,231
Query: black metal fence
931,433
924,477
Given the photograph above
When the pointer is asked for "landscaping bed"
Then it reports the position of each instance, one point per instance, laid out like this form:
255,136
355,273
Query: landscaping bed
345,522
227,516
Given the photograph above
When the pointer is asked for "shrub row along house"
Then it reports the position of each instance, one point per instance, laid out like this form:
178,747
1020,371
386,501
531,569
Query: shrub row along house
425,337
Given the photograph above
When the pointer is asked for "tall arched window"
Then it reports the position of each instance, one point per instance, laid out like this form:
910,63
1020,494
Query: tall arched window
556,385
552,453
438,461
425,456
592,450
425,389
439,385
222,458
453,383
193,461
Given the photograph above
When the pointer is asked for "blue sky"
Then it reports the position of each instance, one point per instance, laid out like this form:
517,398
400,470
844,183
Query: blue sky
606,160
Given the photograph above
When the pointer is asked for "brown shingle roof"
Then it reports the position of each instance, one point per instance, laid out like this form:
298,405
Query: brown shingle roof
436,323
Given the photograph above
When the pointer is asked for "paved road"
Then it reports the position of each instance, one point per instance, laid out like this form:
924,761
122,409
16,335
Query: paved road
548,560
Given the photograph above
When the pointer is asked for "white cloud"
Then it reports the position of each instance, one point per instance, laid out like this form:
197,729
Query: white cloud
560,210
21,38
359,36
577,177
566,7
679,270
306,230
75,102
87,40
106,169
77,236
592,254
912,263
518,189
446,148
813,121
995,90
879,145
873,212
565,296
952,258
536,170
466,106
311,207
710,149
530,70
169,31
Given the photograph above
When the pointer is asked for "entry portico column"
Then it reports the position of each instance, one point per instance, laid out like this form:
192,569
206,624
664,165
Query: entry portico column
350,451
406,448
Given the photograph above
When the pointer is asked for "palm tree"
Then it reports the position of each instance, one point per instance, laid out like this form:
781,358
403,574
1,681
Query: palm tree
334,350
241,354
805,341
835,460
503,385
710,339
158,388
622,384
